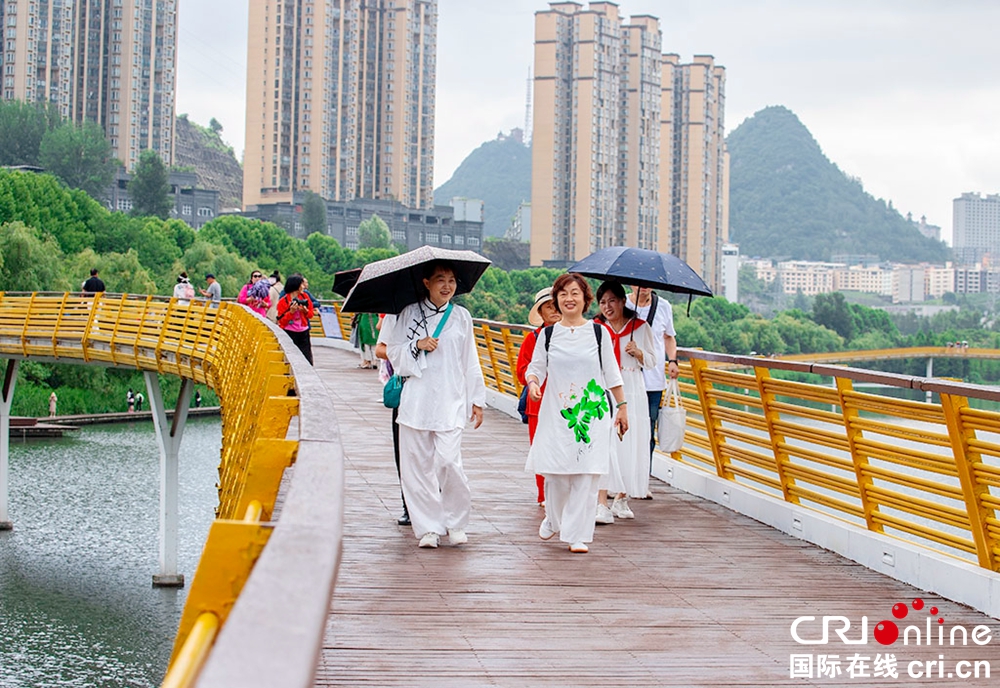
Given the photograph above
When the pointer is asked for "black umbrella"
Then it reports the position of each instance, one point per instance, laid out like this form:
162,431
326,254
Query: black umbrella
344,280
390,285
643,268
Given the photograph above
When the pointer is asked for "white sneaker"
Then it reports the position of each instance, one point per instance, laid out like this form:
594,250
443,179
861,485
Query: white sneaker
604,516
579,548
429,541
545,530
457,537
621,509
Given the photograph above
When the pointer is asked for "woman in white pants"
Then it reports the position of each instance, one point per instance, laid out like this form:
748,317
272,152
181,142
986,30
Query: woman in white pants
444,387
575,427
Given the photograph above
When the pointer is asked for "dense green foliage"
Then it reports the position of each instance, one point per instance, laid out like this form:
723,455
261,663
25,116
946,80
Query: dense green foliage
80,156
88,389
374,233
788,200
313,213
150,187
22,128
499,174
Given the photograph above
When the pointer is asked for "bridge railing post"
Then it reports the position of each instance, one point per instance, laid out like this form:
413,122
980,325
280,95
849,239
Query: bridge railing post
9,380
963,439
860,461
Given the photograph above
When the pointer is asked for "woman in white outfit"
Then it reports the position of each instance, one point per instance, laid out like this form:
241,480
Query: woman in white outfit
444,386
575,426
635,349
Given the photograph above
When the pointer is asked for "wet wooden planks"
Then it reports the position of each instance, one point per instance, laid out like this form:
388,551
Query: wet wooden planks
689,593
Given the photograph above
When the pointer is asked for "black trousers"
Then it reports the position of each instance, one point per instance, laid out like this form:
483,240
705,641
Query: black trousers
395,450
301,340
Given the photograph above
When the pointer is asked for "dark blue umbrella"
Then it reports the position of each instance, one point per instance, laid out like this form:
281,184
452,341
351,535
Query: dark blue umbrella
643,268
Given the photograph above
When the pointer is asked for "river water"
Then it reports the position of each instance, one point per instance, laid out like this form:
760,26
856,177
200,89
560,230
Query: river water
77,606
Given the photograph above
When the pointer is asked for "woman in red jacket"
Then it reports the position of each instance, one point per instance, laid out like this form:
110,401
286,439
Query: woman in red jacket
543,313
295,310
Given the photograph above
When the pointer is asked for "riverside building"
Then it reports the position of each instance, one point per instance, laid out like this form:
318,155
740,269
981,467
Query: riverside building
627,143
976,228
340,101
105,61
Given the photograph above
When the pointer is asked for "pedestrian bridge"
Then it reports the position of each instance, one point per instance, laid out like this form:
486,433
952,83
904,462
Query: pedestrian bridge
308,581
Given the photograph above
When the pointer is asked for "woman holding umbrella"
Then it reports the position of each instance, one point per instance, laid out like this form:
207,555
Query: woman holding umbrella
576,360
432,345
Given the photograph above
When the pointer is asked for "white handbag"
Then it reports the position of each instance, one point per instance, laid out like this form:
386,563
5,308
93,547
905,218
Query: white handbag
672,420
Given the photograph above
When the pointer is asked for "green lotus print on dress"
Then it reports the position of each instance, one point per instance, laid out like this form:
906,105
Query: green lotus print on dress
593,404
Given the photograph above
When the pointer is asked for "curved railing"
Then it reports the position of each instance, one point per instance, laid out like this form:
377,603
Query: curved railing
928,473
271,622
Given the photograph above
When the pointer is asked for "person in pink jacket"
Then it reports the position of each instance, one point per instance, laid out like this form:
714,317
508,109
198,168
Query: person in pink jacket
254,297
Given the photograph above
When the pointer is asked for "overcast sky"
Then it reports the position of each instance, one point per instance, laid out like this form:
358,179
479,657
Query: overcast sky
904,94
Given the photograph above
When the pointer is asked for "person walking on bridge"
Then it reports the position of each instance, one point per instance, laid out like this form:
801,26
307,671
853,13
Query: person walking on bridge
572,448
659,315
432,345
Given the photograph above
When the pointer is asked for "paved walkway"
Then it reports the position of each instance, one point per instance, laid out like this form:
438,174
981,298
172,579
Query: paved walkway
687,594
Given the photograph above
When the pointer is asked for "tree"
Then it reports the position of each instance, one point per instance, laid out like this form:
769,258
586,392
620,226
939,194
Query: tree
150,187
80,156
22,127
215,126
834,313
374,233
314,213
30,262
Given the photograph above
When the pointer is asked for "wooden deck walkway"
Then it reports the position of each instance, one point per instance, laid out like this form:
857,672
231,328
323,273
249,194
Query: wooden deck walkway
687,594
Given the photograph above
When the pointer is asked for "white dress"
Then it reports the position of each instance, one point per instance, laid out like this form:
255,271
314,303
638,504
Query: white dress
576,418
633,451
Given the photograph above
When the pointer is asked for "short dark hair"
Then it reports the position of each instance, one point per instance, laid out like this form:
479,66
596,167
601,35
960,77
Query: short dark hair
293,283
433,266
209,276
562,283
93,272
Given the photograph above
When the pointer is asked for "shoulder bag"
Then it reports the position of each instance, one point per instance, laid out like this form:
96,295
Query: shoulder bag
672,420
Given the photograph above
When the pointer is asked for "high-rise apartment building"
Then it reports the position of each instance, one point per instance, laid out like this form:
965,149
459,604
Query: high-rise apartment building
112,62
976,227
628,144
125,58
37,57
699,220
340,100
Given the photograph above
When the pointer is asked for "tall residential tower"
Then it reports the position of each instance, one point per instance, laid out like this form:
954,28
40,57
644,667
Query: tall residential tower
110,62
340,100
628,144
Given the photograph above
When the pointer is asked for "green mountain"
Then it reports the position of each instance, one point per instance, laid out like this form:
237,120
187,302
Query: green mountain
499,174
786,199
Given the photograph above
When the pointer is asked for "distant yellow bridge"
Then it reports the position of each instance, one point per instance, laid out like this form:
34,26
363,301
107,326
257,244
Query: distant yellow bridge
894,354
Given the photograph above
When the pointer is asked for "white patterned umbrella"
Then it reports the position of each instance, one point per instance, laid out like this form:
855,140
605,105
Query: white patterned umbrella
390,285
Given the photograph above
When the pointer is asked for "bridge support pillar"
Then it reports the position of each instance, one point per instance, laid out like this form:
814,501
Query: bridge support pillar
930,374
168,437
9,379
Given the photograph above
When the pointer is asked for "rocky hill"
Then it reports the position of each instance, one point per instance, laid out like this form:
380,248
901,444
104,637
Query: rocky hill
203,150
786,199
499,174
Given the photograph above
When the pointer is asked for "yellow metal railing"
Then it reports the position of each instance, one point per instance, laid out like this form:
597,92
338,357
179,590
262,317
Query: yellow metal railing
926,472
223,346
